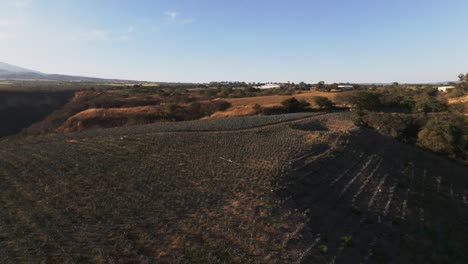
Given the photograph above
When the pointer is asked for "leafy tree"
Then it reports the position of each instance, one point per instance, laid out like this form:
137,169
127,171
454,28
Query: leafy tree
347,99
428,104
321,86
408,104
404,127
367,101
463,78
444,135
323,102
292,105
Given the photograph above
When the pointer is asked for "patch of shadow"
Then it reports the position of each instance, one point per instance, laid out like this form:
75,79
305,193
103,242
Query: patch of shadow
315,125
319,149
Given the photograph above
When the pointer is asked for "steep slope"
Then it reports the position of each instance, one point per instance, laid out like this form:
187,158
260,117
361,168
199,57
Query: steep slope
21,109
301,188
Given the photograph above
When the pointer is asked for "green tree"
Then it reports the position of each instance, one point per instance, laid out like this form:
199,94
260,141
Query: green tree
463,78
293,105
428,104
444,135
367,101
323,102
321,86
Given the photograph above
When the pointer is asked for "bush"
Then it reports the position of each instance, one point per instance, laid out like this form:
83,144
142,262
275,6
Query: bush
358,117
323,102
346,98
457,92
428,104
292,105
347,241
457,108
444,135
404,127
368,101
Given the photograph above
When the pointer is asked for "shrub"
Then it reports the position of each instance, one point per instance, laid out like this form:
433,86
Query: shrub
347,241
444,135
358,117
400,126
323,249
428,104
323,102
457,108
346,98
368,101
293,105
457,92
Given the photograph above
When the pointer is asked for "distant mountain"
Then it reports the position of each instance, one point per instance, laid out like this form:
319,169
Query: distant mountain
12,72
8,68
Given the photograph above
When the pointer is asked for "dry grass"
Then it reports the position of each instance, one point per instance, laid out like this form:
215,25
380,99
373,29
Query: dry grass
78,121
239,110
245,106
463,99
275,100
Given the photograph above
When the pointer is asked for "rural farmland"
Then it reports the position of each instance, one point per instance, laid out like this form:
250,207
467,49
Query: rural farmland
233,132
294,188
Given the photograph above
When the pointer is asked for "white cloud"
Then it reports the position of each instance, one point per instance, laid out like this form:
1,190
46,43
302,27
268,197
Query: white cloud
126,36
178,18
96,34
172,15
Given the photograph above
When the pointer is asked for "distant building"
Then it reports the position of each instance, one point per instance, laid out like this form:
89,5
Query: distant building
345,87
341,88
445,88
269,86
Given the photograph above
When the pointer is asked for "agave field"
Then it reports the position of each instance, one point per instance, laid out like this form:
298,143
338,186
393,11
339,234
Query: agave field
299,188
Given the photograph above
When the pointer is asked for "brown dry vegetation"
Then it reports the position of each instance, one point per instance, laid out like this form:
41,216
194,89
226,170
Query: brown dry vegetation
246,106
275,100
111,108
458,100
279,192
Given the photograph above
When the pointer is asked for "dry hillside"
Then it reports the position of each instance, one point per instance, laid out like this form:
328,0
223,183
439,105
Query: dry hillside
300,188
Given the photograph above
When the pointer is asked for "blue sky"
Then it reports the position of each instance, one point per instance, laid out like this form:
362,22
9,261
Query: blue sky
245,40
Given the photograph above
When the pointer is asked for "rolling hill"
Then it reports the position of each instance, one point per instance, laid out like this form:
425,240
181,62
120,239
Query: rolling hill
297,188
12,72
8,68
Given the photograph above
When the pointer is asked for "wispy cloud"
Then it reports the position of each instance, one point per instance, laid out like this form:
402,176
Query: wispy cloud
126,36
172,15
177,18
105,35
97,34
